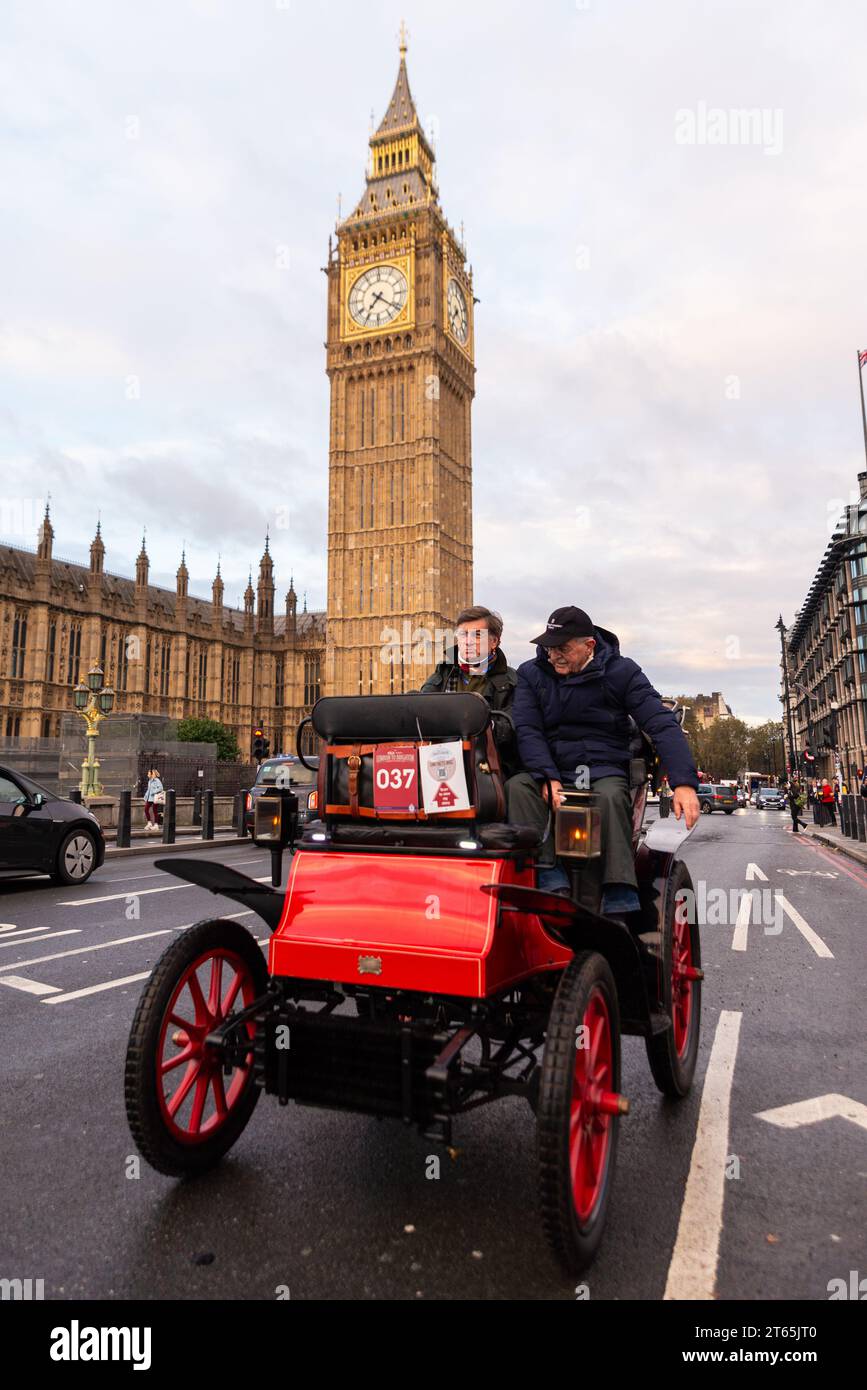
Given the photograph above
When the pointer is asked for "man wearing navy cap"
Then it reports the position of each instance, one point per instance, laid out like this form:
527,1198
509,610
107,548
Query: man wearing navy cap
571,714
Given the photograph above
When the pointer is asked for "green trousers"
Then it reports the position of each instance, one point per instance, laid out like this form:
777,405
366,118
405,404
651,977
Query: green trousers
526,806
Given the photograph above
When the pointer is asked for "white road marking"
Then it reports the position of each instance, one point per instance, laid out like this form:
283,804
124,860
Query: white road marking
811,1112
49,936
28,986
19,931
753,871
692,1272
807,873
130,979
85,950
142,893
739,940
96,989
113,897
806,931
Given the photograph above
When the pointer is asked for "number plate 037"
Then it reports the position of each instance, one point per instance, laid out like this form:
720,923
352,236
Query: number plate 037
395,777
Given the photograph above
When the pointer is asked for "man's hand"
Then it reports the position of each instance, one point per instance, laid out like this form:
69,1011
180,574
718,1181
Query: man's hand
557,789
685,800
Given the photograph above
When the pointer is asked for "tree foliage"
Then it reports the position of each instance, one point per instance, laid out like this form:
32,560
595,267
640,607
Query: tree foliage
210,731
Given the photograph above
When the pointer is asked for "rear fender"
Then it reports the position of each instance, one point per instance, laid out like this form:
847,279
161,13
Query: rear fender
228,883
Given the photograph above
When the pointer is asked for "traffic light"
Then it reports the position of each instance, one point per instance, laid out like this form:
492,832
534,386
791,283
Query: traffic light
259,743
266,748
809,756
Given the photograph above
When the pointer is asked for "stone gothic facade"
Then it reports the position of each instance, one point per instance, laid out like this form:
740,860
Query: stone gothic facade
162,652
400,361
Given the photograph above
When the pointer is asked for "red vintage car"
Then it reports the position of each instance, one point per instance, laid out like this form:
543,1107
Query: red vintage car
415,971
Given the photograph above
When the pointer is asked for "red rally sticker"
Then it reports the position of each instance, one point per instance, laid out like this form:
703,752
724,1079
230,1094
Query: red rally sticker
395,777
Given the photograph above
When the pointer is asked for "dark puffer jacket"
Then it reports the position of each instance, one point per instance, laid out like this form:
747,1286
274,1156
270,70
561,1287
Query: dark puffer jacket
566,722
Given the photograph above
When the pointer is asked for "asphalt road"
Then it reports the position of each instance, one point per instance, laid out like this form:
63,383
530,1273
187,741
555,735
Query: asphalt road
339,1206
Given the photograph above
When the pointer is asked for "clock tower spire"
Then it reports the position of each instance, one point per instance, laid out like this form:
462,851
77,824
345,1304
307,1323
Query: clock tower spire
400,364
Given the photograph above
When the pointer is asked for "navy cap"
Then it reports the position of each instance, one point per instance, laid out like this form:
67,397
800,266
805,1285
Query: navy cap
563,624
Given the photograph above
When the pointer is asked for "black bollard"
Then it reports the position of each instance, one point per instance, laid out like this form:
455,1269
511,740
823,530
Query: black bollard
75,795
197,808
169,817
124,820
861,816
846,816
207,819
241,812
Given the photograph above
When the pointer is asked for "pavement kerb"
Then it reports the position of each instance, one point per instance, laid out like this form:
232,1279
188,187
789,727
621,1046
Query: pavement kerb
189,846
852,851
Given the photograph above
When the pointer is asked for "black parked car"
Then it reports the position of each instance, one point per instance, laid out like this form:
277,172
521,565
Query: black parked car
43,833
284,770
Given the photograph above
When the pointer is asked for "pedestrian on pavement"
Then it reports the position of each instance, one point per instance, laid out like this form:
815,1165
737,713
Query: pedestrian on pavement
796,804
826,796
153,791
862,778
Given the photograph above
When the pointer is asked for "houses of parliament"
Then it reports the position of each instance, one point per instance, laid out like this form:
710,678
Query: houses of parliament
399,359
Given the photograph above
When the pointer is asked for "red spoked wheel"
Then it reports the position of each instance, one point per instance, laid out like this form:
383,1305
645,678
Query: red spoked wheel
183,1111
673,1054
578,1110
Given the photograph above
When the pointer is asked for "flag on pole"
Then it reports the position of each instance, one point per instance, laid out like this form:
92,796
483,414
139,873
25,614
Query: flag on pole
862,357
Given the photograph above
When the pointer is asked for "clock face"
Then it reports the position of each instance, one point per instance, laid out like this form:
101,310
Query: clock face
459,319
378,296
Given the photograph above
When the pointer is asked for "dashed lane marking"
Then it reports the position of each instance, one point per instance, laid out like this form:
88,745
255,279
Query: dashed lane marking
126,980
692,1272
96,989
49,936
113,897
142,893
811,937
19,931
739,940
85,950
28,986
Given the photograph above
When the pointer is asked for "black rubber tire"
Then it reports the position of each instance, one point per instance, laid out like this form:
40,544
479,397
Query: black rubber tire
574,1244
731,812
673,1074
59,873
154,1141
706,809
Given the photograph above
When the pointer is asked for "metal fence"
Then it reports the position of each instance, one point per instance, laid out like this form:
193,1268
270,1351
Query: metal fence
186,776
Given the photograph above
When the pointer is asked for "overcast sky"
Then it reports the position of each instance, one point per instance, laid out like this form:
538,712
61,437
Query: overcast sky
666,423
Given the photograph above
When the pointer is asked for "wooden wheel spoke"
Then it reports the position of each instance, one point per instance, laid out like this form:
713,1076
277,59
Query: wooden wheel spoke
220,1095
178,1061
202,1087
198,997
232,993
216,986
180,1095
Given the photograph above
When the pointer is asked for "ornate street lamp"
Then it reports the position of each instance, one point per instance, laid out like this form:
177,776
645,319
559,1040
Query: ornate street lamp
93,702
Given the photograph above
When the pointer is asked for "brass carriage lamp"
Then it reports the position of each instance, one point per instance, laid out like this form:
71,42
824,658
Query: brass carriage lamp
578,830
81,695
106,699
275,825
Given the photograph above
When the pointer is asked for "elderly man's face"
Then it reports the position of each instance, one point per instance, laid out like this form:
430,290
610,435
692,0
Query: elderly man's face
573,654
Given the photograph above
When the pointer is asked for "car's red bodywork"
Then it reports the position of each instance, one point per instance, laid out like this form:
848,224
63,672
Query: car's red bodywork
419,922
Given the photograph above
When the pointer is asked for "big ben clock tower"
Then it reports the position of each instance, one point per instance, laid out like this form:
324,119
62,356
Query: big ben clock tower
400,363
